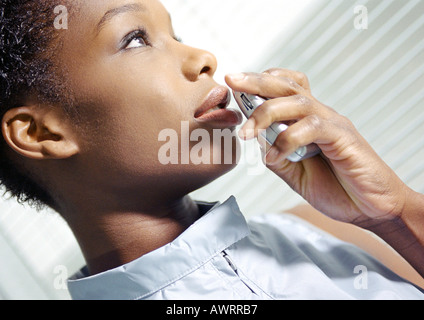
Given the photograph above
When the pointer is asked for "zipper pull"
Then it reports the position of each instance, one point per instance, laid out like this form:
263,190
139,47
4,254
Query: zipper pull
229,261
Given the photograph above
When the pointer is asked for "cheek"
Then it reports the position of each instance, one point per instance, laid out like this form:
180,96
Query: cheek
127,115
125,132
156,151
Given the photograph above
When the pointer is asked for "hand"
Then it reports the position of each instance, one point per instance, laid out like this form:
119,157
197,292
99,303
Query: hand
348,181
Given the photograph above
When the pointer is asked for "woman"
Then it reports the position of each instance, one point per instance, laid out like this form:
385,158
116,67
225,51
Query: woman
82,111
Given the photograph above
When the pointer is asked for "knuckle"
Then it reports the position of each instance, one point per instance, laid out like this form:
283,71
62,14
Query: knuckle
314,121
302,77
346,121
303,100
305,105
274,72
293,85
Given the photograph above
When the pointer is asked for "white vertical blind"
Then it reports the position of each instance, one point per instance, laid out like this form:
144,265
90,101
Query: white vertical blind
374,76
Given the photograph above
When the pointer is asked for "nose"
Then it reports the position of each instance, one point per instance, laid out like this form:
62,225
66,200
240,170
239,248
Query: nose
197,63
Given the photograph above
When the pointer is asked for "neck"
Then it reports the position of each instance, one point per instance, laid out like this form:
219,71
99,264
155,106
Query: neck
111,238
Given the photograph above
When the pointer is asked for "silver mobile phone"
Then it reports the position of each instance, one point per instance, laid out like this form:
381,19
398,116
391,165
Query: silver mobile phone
248,103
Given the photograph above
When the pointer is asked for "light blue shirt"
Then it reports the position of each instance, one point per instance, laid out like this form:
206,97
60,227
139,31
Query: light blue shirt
221,256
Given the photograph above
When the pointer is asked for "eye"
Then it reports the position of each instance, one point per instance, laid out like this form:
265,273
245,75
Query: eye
136,43
136,39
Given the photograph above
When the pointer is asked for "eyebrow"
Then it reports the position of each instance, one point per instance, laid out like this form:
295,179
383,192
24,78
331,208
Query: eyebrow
112,13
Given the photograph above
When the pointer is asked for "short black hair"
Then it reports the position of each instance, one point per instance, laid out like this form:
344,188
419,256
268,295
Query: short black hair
26,67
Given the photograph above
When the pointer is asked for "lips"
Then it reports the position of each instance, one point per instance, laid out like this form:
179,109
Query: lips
214,109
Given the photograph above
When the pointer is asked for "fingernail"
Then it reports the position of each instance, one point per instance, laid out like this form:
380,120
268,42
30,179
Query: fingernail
248,130
237,76
272,156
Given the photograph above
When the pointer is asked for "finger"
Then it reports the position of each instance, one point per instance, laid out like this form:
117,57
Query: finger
264,146
277,110
297,76
311,129
264,85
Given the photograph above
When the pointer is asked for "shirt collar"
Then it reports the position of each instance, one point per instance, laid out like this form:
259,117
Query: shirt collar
222,226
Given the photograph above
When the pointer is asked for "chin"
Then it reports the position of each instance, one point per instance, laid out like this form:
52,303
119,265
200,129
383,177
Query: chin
198,164
205,174
200,176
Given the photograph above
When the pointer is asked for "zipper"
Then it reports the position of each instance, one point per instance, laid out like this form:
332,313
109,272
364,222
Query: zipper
234,267
230,261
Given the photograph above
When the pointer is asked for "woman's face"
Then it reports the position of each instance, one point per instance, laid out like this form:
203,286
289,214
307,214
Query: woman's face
132,80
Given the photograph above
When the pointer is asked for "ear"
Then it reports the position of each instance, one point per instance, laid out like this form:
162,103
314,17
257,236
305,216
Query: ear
38,133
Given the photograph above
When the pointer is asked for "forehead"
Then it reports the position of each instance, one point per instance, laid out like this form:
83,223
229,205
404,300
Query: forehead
116,11
88,18
95,28
100,12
